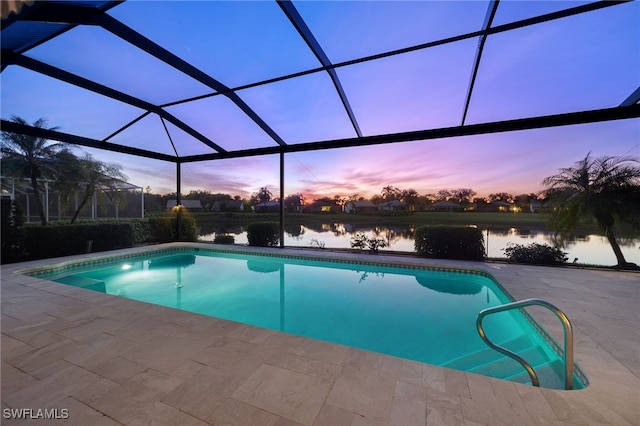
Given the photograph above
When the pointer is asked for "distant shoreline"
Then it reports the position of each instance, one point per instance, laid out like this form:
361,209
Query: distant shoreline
496,220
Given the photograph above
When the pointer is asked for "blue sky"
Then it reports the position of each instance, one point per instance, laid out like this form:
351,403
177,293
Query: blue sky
587,61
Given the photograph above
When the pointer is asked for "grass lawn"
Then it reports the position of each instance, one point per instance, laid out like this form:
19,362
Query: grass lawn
482,219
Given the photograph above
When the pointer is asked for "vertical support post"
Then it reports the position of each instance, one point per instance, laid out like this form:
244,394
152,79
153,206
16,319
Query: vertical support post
26,195
46,200
282,305
94,209
281,199
487,241
142,202
59,208
178,201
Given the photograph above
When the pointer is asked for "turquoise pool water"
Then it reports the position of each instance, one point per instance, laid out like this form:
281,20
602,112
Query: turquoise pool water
418,314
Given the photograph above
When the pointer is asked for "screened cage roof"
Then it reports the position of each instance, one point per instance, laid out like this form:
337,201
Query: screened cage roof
189,81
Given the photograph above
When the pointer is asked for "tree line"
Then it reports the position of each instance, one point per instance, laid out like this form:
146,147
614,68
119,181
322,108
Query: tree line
466,197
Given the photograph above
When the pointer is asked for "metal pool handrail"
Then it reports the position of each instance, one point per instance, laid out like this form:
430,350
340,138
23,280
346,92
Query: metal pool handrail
568,337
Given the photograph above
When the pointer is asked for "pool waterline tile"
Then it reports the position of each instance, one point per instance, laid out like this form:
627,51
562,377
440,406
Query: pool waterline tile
105,260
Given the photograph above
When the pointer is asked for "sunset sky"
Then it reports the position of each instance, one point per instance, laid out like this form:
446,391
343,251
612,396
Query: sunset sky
588,61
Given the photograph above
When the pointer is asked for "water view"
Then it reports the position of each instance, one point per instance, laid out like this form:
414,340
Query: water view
585,249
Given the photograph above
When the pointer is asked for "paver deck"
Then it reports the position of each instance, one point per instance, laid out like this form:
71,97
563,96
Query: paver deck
103,360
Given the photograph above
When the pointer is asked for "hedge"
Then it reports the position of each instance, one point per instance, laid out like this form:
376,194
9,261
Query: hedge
449,242
534,253
65,239
164,229
12,240
263,234
224,239
56,240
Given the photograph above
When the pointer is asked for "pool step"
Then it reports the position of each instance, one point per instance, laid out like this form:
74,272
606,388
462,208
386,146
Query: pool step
487,355
550,374
489,362
507,367
83,282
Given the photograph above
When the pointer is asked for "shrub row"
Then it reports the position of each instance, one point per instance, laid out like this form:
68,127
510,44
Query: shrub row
534,253
263,234
361,241
224,239
165,229
449,242
12,234
64,240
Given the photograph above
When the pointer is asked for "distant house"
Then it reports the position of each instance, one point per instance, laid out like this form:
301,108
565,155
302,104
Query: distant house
482,206
235,206
228,206
392,205
447,206
193,205
535,206
320,207
267,207
500,206
360,207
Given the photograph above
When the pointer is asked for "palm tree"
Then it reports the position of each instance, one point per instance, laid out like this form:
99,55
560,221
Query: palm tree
31,157
390,193
89,176
605,188
264,195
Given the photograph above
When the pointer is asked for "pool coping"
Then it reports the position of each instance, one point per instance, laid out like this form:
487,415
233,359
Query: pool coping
611,397
326,257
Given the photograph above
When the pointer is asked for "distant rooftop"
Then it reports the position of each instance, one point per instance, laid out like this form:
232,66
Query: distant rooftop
189,204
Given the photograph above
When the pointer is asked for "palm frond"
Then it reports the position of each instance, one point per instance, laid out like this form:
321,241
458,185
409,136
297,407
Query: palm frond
605,188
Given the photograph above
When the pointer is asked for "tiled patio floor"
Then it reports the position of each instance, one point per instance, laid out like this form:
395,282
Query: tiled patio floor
111,361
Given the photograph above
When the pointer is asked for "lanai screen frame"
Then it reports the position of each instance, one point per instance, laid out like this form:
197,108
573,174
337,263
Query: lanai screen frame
68,15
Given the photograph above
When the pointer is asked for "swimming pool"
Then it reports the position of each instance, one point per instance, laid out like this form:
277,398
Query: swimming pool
415,313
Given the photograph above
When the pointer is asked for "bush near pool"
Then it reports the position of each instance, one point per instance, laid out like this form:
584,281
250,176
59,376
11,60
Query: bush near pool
449,242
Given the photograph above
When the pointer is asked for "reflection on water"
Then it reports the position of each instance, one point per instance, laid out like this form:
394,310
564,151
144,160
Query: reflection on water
447,286
586,249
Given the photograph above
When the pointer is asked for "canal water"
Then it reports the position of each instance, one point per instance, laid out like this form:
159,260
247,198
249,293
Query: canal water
585,249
